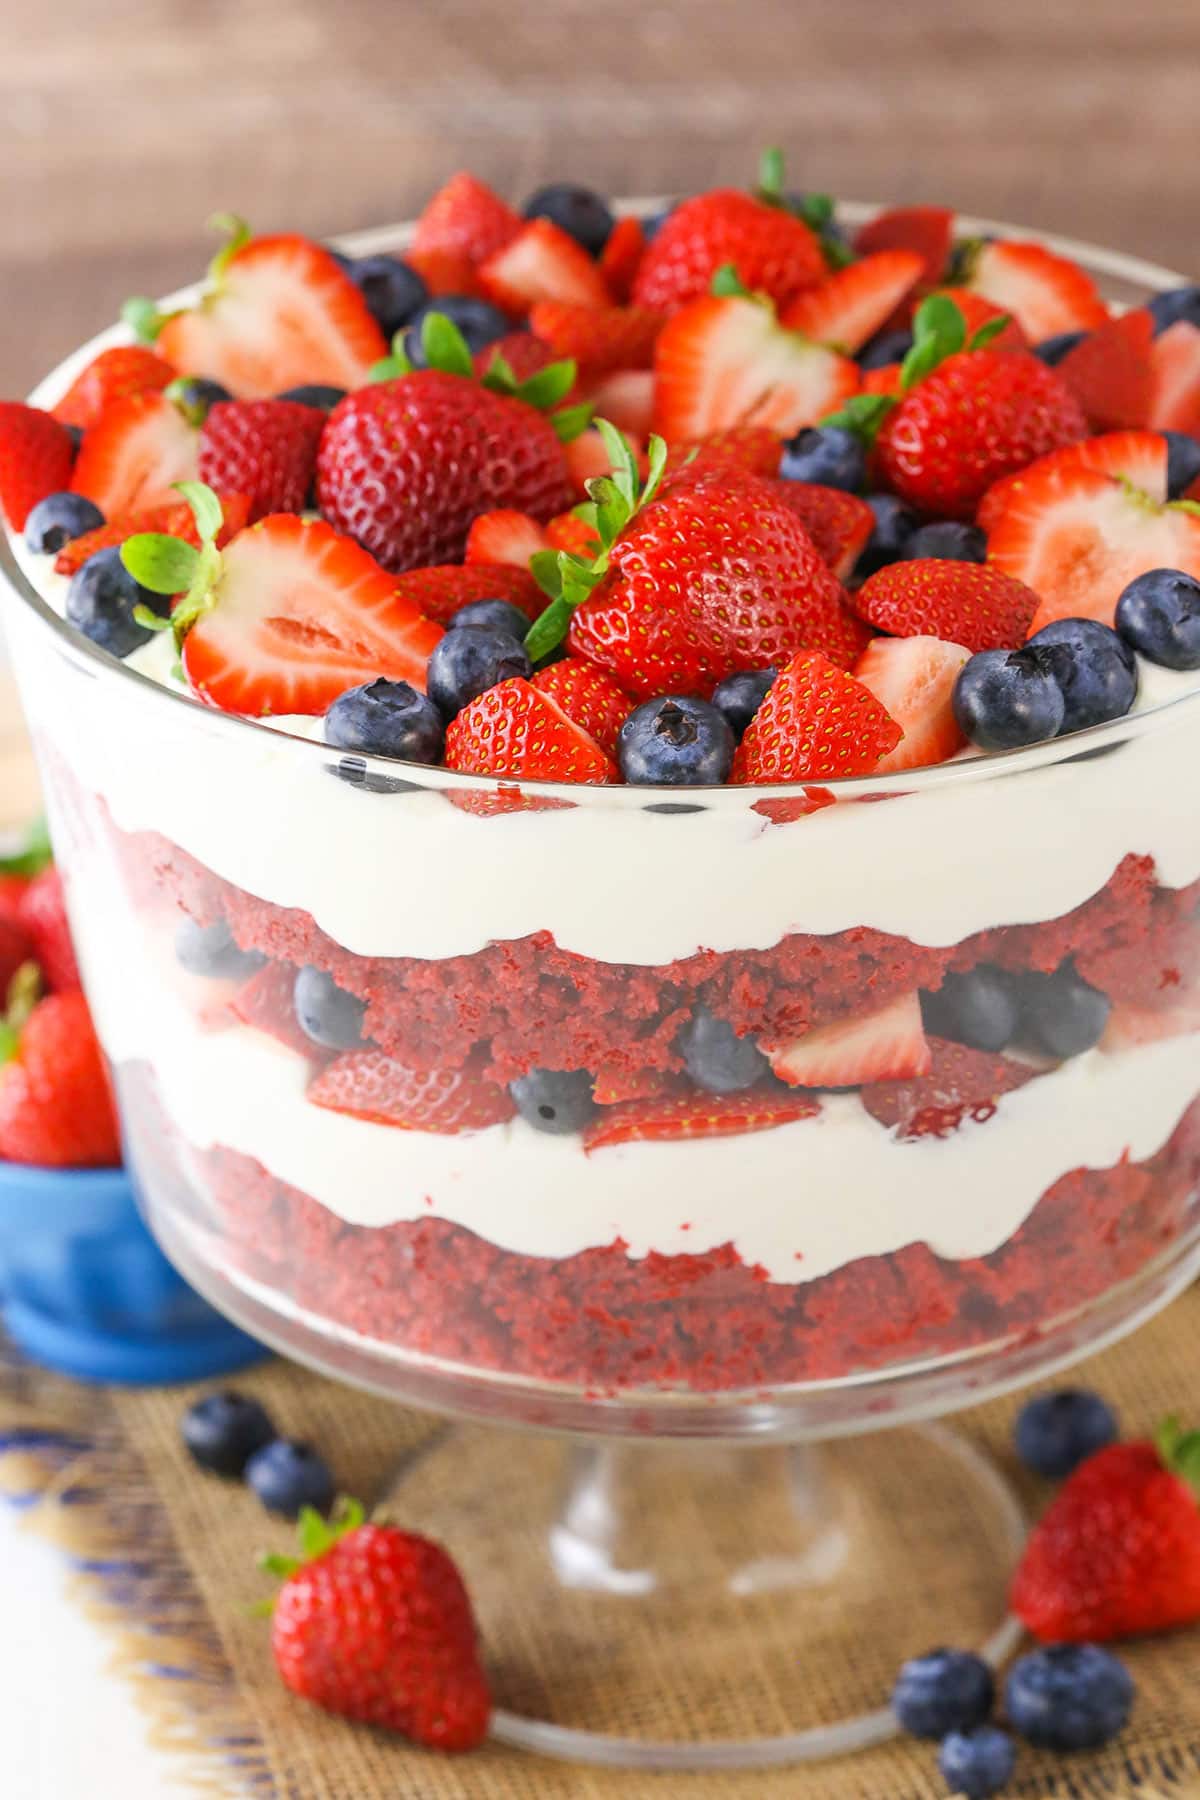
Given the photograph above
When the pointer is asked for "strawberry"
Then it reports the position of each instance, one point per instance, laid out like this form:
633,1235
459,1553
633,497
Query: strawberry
525,355
621,257
266,449
16,947
958,1084
886,1044
1044,292
124,369
466,219
1117,1553
1130,1024
296,615
977,311
505,536
962,603
572,531
404,466
913,678
752,448
927,230
36,454
542,263
42,914
1137,456
850,306
279,312
56,1105
773,252
172,521
674,1116
1078,538
374,1624
625,397
721,362
598,338
587,456
1175,400
589,697
439,592
267,1002
1111,373
366,1084
816,723
133,456
514,729
838,523
444,271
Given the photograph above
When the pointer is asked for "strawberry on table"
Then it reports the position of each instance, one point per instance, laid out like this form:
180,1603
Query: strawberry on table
772,251
885,1044
816,723
123,369
851,305
505,536
514,729
465,219
669,1117
962,603
1111,372
133,456
542,263
56,1106
598,338
265,449
588,696
366,1084
1045,293
913,678
36,457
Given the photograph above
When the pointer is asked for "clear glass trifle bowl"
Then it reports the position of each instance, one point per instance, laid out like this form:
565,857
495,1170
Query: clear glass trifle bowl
648,1214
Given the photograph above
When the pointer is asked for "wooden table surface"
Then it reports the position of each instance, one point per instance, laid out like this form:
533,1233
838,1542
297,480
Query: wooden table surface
123,125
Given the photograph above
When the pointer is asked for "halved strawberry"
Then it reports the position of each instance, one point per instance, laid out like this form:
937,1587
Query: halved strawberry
569,531
1136,456
1045,293
36,454
133,456
927,230
625,397
1175,400
444,271
1129,1025
281,312
299,614
441,589
665,1119
123,369
958,1084
727,361
505,536
465,218
1079,539
885,1044
1111,373
171,521
959,602
621,257
597,338
542,263
852,305
513,729
366,1084
914,679
589,696
838,523
816,723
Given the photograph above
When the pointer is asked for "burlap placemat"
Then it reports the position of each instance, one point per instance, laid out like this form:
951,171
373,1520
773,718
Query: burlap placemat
165,1558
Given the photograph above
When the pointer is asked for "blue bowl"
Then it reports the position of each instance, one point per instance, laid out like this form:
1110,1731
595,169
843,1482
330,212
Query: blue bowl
85,1289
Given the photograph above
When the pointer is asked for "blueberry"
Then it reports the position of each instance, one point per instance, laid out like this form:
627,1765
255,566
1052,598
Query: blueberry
101,599
1183,462
948,540
1055,1432
653,223
716,1058
196,395
944,1690
470,660
676,740
1159,614
479,323
1068,1696
57,519
314,393
326,1012
825,454
393,291
884,348
386,718
1099,678
576,210
222,1431
977,1763
976,1008
287,1476
740,696
495,615
1051,350
211,950
557,1101
1061,1014
75,433
1006,698
1174,304
894,525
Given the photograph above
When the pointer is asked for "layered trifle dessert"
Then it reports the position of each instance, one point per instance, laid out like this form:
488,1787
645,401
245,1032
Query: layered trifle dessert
626,779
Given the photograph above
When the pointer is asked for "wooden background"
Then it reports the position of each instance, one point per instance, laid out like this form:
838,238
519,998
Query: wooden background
123,123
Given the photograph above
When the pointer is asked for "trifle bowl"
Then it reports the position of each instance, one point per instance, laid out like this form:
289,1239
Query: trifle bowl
708,1130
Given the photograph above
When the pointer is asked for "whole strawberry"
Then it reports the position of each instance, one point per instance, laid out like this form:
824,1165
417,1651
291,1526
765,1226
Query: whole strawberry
56,1106
773,252
266,449
42,912
962,603
1118,1552
36,456
375,1625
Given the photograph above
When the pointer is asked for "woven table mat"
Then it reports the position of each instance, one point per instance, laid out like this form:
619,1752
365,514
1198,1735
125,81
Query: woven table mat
166,1559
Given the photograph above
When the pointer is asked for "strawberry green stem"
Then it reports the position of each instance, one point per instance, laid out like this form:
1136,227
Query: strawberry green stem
34,854
23,993
1179,1450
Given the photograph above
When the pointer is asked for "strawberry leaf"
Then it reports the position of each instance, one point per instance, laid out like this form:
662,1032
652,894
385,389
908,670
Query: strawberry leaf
24,991
34,854
206,508
1179,1450
165,565
656,463
939,331
236,233
727,284
445,346
143,318
862,414
988,332
621,458
771,172
543,566
550,385
548,630
570,421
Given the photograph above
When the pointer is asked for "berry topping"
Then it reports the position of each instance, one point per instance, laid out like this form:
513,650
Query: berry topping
442,592
826,455
288,1476
1173,304
42,916
816,723
102,601
1051,350
959,1085
588,696
1005,699
887,1044
558,1101
135,455
386,718
1068,1697
124,369
221,1432
1183,463
1159,614
265,449
1055,1432
772,251
888,542
913,679
577,210
959,601
1044,292
597,338
676,741
505,536
977,1763
366,1084
927,230
308,393
943,1691
326,1012
392,289
465,219
839,524
947,540
673,1116
542,263
58,519
717,1058
850,306
480,325
36,456
622,255
740,696
470,660
1098,678
976,1007
1175,401
56,1106
513,729
1111,372
1061,1014
212,951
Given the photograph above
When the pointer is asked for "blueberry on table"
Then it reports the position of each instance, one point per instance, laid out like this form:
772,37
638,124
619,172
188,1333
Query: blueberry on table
577,210
1183,462
314,393
942,1691
894,525
1159,614
1061,1014
1099,678
326,1012
288,1475
827,455
977,1763
480,323
392,290
1068,1696
1174,304
1055,1432
739,696
676,741
947,540
496,615
717,1059
976,1008
470,660
386,718
1006,699
222,1431
557,1101
884,348
57,519
1051,350
211,950
101,601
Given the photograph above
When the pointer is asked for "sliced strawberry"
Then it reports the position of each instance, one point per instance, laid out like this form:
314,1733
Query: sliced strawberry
597,338
886,1044
753,448
1079,539
1175,401
123,369
300,614
589,697
366,1084
852,305
724,362
267,1002
927,230
172,521
133,457
1129,1025
282,313
512,729
36,454
621,257
568,531
1111,373
665,1119
1045,293
626,399
886,379
1136,456
838,523
542,263
816,723
958,1084
439,591
961,603
467,219
914,679
505,536
445,271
